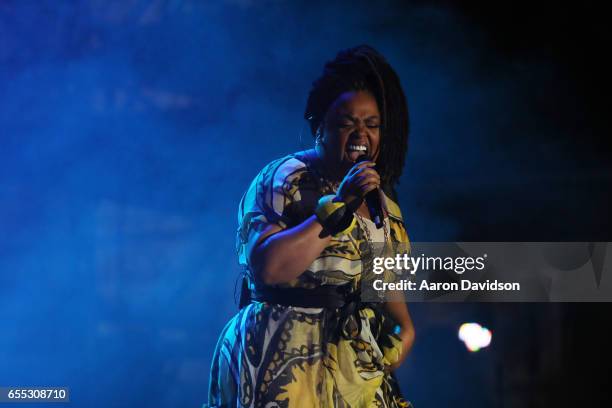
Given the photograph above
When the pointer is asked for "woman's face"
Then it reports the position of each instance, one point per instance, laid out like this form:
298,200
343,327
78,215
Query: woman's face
351,129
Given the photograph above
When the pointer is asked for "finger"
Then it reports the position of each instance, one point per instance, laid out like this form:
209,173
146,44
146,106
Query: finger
370,187
369,178
367,185
360,165
366,171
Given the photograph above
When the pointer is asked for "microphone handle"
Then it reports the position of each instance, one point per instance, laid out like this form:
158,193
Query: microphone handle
372,200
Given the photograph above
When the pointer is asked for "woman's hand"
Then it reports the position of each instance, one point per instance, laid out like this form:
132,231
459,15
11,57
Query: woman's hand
398,309
360,180
407,336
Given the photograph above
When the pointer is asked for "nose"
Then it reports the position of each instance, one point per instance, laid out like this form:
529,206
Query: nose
361,129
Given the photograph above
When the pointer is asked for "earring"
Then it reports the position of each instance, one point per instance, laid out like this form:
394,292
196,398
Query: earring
318,138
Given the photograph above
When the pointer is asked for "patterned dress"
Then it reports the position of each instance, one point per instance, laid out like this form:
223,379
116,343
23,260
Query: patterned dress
270,355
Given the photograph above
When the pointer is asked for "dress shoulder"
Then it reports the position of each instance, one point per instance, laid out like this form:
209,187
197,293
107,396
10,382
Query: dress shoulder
273,196
398,228
394,209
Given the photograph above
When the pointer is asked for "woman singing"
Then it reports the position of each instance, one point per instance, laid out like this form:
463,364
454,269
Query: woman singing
302,337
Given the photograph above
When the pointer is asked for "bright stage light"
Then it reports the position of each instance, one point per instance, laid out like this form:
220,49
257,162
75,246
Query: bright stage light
474,336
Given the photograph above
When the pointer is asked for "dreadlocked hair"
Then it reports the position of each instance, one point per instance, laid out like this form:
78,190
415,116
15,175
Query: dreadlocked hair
362,68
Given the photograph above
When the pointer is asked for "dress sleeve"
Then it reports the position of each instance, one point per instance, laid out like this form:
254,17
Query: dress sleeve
272,197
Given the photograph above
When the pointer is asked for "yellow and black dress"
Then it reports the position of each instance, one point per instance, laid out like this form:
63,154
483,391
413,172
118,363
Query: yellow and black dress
273,355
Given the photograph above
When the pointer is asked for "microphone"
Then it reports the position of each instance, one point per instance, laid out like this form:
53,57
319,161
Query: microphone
372,200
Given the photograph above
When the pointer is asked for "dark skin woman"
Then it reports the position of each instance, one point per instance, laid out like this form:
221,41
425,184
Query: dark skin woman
351,124
303,336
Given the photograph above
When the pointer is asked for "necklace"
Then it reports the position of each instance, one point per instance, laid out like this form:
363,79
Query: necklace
367,258
364,227
330,185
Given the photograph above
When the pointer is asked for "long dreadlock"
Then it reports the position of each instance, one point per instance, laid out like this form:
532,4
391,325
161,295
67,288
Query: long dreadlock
362,68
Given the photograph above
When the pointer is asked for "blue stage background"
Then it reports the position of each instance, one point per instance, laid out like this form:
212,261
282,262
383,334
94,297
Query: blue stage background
130,130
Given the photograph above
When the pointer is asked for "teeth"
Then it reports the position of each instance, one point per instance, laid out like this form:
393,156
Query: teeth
360,148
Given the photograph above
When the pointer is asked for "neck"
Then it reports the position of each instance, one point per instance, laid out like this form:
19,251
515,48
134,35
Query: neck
330,168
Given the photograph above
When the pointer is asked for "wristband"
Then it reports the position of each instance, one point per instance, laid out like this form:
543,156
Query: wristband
334,216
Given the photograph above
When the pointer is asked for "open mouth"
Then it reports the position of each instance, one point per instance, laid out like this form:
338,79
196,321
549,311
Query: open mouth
354,151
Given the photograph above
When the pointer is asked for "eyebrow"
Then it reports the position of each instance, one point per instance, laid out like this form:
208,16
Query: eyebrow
352,118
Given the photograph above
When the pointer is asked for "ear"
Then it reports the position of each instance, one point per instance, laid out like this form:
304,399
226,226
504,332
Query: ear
320,130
